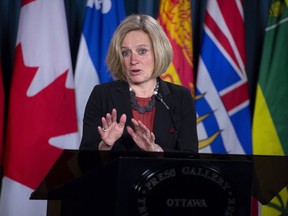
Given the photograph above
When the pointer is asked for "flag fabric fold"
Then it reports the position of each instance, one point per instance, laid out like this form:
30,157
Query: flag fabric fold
222,102
100,22
270,117
42,113
175,19
2,110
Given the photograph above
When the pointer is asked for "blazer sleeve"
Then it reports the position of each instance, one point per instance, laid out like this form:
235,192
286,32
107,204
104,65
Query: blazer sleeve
92,118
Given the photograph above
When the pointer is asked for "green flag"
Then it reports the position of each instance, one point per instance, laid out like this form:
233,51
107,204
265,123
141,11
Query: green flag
270,121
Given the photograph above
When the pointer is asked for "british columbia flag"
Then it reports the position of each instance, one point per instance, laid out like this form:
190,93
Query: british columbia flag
222,102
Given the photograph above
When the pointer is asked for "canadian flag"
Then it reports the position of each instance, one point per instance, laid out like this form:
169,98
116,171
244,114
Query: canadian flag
42,113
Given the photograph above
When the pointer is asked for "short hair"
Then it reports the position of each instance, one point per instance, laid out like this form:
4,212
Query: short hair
162,49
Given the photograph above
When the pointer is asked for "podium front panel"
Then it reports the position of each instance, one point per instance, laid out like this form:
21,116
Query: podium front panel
149,184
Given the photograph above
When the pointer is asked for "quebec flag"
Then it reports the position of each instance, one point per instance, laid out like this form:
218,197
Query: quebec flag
100,22
222,102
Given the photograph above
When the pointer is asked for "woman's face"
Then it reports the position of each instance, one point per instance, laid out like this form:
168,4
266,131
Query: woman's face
138,57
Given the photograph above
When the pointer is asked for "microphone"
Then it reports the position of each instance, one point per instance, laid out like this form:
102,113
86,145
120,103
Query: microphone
159,97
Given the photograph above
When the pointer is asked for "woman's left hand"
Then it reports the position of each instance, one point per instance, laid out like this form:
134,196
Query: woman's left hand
144,139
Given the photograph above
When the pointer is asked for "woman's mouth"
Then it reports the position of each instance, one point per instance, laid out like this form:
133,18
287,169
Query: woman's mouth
135,71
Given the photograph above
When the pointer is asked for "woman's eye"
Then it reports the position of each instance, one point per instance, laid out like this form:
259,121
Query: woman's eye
142,51
126,53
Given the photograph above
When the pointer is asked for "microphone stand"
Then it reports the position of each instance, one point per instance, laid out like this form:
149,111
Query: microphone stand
179,142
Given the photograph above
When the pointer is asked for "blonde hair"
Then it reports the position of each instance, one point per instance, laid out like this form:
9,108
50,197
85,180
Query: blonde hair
162,48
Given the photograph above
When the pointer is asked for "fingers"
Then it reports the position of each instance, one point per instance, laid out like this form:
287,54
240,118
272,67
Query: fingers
145,130
109,119
141,132
105,125
100,130
109,123
114,115
152,136
141,129
134,122
122,120
132,133
111,130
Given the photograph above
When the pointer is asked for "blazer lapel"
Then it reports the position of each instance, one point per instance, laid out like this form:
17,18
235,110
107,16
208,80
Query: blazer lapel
121,99
162,113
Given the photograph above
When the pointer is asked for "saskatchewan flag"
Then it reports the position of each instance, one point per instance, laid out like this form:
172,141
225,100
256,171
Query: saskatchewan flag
270,121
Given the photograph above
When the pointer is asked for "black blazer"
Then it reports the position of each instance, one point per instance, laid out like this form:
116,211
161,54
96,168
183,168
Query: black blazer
116,94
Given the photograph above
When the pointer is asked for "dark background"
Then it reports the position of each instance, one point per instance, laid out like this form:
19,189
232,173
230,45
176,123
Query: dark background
255,13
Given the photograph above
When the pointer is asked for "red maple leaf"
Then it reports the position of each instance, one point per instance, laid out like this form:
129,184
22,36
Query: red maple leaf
33,121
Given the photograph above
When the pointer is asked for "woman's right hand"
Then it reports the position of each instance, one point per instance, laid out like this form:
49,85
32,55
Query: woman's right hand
111,130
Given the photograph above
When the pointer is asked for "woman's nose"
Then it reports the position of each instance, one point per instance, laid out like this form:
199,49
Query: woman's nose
133,58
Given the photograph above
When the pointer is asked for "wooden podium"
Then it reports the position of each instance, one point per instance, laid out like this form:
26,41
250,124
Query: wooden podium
156,184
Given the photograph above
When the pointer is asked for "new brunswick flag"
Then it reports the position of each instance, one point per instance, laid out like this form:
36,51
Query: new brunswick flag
175,19
270,122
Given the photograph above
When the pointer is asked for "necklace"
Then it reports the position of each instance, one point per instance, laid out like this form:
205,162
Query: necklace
136,106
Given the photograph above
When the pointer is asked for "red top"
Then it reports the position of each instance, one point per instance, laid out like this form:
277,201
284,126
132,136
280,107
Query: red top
146,118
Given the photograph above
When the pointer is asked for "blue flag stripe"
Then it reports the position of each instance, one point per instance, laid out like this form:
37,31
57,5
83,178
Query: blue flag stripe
98,30
243,134
217,65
